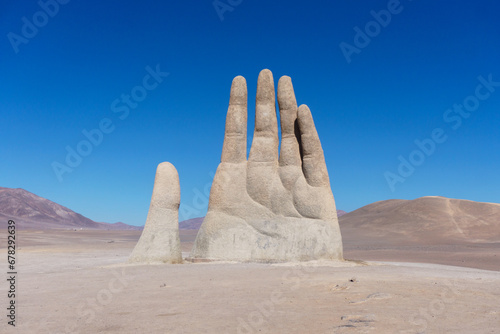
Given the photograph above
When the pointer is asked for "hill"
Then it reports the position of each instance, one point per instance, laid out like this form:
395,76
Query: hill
34,212
425,220
191,224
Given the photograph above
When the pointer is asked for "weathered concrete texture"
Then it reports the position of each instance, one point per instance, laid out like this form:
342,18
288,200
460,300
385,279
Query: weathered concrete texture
277,206
159,242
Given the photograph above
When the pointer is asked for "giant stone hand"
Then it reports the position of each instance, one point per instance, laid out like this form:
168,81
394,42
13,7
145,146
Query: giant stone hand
272,207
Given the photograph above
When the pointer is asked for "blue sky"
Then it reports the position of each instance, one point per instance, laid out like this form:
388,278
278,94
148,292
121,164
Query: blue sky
369,107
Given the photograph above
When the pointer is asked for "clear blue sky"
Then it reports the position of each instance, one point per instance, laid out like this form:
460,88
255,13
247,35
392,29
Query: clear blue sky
396,89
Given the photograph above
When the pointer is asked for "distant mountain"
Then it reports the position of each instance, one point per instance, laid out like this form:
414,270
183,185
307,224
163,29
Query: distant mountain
122,226
191,224
34,212
423,220
340,213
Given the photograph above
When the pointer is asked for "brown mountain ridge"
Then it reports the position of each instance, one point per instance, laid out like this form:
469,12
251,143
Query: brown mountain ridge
30,211
425,220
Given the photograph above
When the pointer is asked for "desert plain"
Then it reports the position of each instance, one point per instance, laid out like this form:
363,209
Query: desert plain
78,281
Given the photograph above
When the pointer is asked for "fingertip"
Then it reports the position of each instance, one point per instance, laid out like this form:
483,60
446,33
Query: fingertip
166,191
284,80
304,112
166,168
286,95
304,107
265,77
266,72
305,119
239,80
265,87
166,174
238,94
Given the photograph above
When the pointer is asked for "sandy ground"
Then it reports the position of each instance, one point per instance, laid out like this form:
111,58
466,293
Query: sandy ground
480,255
78,282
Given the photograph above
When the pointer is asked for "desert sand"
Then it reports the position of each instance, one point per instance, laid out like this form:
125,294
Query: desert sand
80,282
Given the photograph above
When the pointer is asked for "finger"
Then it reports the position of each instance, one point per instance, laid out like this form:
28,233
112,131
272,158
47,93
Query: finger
290,152
166,190
159,241
265,140
235,138
313,159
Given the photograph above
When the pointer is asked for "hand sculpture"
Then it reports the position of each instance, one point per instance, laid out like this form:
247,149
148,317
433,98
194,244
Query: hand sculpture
159,242
270,208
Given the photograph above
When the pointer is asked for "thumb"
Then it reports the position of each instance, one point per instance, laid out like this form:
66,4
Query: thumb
160,241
